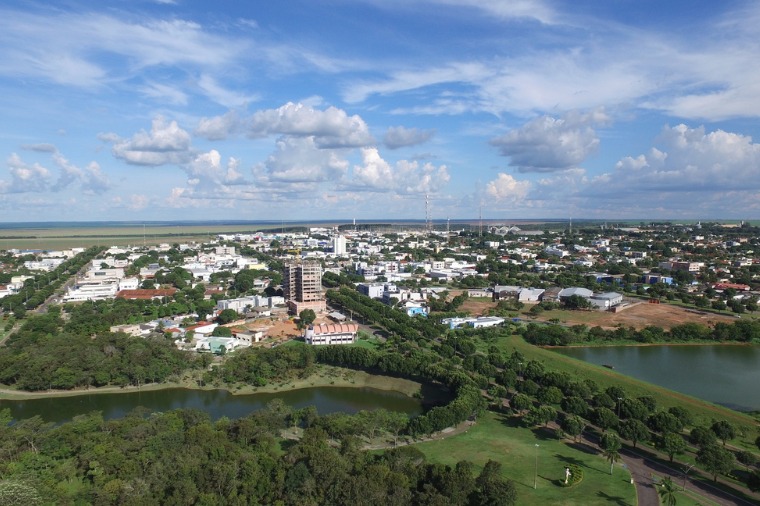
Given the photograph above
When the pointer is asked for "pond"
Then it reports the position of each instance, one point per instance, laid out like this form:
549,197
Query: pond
217,403
723,374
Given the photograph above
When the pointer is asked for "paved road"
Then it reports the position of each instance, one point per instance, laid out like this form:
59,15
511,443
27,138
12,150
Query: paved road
643,469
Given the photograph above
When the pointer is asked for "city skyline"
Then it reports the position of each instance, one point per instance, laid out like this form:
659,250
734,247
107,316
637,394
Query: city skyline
180,110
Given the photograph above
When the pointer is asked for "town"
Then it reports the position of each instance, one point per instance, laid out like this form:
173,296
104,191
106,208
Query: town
258,309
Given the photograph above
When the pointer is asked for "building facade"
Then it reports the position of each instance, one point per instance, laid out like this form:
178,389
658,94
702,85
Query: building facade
302,286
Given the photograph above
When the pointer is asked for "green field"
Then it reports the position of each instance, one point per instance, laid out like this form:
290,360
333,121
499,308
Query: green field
60,238
495,437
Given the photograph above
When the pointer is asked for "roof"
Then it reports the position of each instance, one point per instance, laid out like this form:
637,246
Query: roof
335,328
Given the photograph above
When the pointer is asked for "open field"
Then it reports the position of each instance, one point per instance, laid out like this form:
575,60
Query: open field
53,238
637,316
495,437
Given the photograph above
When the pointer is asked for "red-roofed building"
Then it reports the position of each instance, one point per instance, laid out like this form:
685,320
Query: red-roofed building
735,286
146,294
331,333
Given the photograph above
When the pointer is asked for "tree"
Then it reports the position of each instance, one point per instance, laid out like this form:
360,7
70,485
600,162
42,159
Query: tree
307,317
702,436
715,460
573,426
634,430
222,332
672,444
611,445
748,459
227,316
605,418
667,492
663,422
723,431
493,490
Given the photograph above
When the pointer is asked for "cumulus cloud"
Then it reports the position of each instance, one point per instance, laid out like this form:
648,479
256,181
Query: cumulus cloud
691,159
507,189
300,160
218,127
406,177
92,180
399,137
25,177
549,144
207,168
331,128
166,143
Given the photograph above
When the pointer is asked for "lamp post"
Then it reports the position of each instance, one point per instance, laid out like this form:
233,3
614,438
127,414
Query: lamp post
535,474
685,474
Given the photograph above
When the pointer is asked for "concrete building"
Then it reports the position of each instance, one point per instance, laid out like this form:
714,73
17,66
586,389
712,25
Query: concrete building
606,300
333,333
302,286
339,245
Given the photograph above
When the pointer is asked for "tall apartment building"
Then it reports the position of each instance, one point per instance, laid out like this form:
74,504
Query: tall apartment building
302,286
339,245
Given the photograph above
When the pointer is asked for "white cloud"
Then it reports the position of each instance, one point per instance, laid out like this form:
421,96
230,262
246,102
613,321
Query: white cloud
45,46
506,189
166,143
549,144
331,128
300,160
207,168
40,148
221,95
406,177
164,93
25,177
218,127
399,137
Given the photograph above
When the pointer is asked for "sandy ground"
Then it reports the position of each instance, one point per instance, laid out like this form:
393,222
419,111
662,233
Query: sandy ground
637,316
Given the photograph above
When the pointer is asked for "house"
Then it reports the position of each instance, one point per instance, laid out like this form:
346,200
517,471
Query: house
332,333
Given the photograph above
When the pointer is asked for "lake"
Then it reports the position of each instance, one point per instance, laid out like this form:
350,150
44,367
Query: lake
217,403
723,374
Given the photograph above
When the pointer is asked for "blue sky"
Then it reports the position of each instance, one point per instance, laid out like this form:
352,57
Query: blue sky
340,109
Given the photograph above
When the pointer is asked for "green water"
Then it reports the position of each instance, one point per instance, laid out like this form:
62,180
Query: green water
723,374
217,403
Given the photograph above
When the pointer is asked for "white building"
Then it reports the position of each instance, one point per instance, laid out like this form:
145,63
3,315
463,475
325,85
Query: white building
331,333
339,245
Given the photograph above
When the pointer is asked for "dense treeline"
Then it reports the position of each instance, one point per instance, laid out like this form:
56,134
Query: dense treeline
42,356
394,321
260,366
181,457
468,401
742,331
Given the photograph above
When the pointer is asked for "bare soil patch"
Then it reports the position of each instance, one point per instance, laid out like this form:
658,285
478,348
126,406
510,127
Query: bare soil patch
638,317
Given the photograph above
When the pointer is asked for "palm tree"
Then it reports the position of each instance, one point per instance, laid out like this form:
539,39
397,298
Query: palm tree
667,492
612,455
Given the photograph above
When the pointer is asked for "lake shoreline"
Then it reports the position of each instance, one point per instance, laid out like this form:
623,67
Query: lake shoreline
342,378
636,345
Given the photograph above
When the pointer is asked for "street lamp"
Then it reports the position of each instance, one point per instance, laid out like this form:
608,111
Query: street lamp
535,474
685,474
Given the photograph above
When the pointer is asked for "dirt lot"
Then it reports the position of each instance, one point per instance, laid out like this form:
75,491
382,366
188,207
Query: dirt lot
637,316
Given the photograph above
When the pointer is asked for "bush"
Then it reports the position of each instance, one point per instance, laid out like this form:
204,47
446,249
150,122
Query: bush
576,476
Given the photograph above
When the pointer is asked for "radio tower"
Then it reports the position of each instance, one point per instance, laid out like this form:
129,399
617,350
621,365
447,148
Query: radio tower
480,222
428,224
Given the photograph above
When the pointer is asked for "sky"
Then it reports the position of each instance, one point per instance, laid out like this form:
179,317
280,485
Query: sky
366,109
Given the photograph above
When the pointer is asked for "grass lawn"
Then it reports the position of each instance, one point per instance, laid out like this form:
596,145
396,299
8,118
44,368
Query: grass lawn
496,438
